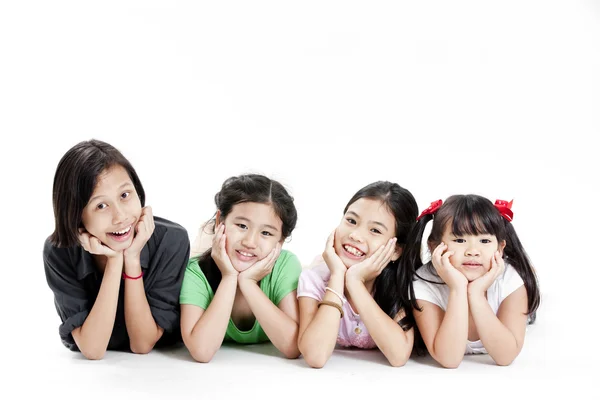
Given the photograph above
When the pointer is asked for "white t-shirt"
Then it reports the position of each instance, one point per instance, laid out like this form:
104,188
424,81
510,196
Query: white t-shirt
437,294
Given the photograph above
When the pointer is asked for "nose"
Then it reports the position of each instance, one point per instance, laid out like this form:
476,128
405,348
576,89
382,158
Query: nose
249,240
118,214
356,236
472,251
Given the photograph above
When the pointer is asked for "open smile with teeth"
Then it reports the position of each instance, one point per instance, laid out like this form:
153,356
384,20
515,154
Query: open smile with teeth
245,254
353,250
121,233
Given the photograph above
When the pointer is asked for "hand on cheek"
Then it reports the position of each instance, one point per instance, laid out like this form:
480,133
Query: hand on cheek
93,245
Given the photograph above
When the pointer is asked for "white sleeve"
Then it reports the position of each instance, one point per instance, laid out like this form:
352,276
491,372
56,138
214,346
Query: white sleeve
429,292
511,281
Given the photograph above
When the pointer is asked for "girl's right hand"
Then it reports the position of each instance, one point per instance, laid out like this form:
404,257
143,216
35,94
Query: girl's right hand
445,270
93,245
334,262
219,253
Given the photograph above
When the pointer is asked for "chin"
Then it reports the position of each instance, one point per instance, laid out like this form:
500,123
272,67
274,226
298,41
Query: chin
241,268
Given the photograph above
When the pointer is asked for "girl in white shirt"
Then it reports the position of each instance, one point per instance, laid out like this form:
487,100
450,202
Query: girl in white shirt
476,293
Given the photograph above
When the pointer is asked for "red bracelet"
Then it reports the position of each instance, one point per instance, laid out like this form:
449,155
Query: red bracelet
125,276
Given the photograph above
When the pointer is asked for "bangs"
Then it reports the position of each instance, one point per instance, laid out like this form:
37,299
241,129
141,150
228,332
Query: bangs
474,221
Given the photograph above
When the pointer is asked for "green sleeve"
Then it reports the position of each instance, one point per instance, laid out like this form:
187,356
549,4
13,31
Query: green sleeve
195,289
286,272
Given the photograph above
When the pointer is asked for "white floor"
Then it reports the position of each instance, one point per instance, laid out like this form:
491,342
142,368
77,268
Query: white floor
551,364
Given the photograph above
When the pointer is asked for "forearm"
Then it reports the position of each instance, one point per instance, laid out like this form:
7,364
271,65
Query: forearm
451,338
141,327
93,336
390,338
317,341
209,331
281,329
500,343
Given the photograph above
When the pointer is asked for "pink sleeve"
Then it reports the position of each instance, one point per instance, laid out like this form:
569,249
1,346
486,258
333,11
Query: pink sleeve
311,284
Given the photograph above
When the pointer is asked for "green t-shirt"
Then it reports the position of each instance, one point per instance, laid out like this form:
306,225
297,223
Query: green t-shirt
282,280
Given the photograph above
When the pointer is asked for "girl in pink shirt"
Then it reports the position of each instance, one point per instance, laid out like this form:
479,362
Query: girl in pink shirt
351,297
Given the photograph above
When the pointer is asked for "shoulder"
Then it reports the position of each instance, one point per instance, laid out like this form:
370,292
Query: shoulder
510,274
509,281
168,237
426,273
313,281
163,227
318,273
193,270
426,287
60,257
287,266
287,258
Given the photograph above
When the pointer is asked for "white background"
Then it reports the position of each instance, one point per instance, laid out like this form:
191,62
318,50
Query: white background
495,98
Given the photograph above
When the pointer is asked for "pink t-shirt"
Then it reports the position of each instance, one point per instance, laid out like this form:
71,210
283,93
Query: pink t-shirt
353,331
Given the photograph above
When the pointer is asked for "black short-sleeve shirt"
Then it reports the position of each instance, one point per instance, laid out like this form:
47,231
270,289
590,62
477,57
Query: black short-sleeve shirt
75,280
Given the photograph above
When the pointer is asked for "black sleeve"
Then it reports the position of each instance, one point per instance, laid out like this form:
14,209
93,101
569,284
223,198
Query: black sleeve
171,260
70,297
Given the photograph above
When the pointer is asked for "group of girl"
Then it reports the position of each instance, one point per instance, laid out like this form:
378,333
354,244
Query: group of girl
123,278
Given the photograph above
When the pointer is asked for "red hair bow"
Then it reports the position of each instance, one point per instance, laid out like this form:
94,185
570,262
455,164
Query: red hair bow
431,209
505,209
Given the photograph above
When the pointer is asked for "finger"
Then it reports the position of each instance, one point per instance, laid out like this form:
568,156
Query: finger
84,239
330,240
150,219
446,259
383,251
222,243
218,234
438,251
499,262
96,245
388,253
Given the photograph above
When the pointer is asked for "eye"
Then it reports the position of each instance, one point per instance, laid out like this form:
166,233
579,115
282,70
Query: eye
376,231
486,241
101,206
242,226
351,221
267,233
459,240
125,195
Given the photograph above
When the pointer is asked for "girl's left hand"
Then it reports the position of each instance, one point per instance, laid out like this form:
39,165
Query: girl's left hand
261,268
483,283
371,267
143,230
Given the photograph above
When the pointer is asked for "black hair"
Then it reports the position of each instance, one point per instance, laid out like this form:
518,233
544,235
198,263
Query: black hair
402,205
253,188
74,182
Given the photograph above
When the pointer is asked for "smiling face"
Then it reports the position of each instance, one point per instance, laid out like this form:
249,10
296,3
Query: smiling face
252,231
366,226
113,209
472,253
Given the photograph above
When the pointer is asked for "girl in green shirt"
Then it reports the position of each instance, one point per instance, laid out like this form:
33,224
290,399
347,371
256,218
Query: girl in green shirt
243,288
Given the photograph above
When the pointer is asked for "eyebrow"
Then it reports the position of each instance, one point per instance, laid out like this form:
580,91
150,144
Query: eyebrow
119,188
266,226
371,222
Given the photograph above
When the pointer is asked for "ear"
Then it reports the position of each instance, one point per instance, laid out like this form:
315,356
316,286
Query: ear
397,253
218,218
501,247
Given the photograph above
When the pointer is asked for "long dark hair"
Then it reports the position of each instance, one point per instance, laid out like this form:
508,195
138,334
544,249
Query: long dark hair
252,188
74,182
470,215
403,206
